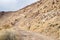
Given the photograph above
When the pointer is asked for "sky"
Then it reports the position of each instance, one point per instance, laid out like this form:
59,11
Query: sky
13,5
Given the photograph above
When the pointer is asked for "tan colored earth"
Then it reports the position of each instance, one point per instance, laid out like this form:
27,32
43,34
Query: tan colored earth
42,17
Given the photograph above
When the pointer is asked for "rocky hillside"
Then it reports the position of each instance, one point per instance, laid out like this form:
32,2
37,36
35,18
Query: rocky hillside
42,17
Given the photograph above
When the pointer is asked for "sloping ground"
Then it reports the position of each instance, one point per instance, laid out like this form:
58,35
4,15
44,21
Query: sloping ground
42,17
17,34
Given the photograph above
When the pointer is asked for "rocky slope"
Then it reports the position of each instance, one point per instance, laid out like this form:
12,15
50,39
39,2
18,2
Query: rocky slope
42,17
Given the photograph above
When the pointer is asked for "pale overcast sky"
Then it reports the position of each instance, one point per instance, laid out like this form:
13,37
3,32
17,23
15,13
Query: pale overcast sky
12,5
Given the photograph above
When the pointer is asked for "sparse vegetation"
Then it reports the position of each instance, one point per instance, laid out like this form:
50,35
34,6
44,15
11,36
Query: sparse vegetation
6,35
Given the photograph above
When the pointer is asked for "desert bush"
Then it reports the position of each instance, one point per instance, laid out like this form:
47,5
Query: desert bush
5,35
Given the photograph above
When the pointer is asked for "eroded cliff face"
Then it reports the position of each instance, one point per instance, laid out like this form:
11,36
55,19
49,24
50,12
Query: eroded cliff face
42,17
